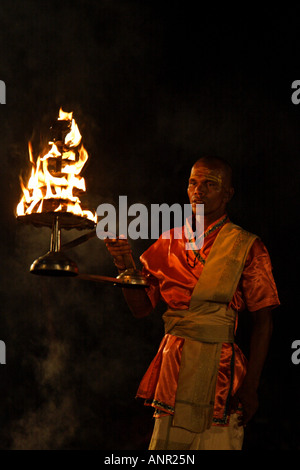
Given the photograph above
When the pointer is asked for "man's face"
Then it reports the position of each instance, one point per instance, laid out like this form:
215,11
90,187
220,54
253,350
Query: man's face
208,185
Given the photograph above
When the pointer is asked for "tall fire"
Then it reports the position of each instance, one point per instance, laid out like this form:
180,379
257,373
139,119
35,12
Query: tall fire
51,199
55,182
51,196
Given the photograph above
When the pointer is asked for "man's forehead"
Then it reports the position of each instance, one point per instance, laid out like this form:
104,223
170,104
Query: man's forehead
202,170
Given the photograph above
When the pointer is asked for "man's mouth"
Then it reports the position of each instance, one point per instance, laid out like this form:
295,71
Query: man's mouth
197,201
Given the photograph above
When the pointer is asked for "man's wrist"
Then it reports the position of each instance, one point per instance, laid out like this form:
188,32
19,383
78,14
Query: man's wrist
120,266
250,384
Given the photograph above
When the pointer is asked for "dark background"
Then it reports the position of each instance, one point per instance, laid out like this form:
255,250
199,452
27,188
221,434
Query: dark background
153,86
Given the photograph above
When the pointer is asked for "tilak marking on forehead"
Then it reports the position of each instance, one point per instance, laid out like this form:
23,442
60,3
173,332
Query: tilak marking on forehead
212,175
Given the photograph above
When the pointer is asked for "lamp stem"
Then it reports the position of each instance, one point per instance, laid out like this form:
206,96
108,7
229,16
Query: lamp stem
55,235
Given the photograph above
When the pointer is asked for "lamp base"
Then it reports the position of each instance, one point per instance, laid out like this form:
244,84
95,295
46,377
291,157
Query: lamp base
133,277
54,263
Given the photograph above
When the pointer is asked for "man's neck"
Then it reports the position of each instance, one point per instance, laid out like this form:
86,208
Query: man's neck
211,219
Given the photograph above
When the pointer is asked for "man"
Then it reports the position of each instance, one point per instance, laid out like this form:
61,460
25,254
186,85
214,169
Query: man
202,388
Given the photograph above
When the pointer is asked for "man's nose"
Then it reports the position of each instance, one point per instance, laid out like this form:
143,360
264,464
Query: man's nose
200,188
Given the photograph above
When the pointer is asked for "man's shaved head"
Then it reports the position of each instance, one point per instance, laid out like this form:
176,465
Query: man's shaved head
216,163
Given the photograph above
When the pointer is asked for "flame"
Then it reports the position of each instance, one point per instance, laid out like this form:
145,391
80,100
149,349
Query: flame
55,181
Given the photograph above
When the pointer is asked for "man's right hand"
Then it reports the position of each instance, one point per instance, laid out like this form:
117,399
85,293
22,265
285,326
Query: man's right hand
119,249
137,299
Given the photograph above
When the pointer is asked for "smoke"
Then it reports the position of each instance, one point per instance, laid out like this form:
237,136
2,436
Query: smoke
77,353
54,423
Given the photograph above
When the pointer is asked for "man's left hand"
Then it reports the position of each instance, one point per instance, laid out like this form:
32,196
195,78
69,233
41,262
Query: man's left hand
249,401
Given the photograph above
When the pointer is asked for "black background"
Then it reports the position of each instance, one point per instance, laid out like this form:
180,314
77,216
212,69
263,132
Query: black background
153,86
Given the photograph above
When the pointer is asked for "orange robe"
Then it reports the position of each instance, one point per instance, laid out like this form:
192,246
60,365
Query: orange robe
173,273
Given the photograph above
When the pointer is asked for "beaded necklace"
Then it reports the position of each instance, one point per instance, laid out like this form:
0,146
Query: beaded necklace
197,254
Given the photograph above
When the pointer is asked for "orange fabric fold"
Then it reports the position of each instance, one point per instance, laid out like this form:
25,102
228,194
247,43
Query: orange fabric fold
159,384
232,370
